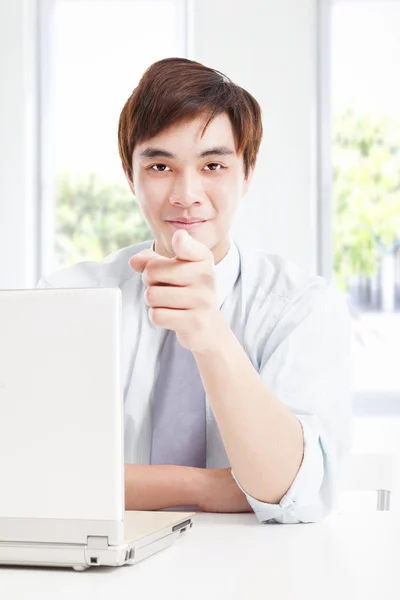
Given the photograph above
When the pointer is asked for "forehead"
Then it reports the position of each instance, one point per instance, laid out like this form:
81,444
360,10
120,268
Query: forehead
187,138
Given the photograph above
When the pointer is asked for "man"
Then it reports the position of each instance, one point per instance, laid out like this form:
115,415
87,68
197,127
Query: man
236,364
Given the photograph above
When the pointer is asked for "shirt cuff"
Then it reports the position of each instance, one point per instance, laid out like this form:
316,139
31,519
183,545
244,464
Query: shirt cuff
304,489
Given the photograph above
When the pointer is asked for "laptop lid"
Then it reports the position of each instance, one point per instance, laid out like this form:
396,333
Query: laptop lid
61,415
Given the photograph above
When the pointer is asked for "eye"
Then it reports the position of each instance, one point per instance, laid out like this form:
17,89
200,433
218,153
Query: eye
159,168
214,167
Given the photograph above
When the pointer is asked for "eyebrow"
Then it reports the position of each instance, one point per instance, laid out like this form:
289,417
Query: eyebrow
158,152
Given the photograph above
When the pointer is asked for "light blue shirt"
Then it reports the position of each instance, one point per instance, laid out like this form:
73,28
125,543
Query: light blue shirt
295,329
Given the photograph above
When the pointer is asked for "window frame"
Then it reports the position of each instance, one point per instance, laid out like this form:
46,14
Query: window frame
375,403
45,119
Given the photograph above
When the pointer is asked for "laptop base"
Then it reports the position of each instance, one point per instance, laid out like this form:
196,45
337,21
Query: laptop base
97,552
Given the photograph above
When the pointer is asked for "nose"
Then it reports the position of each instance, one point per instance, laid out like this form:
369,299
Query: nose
186,191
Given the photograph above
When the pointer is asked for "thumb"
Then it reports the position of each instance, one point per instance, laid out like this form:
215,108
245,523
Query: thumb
188,248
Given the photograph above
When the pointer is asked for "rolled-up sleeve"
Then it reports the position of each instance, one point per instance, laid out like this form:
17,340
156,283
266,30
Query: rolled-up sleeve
307,365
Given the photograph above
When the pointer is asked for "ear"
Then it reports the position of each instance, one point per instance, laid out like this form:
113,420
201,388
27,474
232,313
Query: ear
129,180
247,181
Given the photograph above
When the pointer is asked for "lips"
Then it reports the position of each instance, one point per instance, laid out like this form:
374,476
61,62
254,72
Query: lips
187,224
187,221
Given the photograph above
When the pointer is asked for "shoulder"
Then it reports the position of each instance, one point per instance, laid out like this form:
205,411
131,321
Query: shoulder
277,281
112,271
288,308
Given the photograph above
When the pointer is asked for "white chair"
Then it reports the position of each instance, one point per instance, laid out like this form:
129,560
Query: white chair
373,472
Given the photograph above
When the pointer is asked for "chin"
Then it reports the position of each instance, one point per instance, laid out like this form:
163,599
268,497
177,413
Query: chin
207,240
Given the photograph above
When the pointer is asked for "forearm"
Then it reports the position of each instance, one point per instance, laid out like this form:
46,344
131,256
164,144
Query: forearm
262,437
160,486
154,487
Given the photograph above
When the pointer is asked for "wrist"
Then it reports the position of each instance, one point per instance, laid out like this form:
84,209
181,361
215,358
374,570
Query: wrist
207,486
198,484
219,336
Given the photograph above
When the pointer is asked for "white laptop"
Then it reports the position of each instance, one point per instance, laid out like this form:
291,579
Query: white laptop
61,435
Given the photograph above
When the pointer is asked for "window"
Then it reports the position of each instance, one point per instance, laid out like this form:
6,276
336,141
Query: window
365,156
93,55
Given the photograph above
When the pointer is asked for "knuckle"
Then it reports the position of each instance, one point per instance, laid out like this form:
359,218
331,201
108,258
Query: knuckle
149,271
207,278
203,301
197,320
145,278
150,295
154,316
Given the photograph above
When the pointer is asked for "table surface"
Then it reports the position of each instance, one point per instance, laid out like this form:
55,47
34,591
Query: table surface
346,556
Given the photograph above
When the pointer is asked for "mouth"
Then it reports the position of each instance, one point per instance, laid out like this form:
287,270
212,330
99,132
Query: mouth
188,225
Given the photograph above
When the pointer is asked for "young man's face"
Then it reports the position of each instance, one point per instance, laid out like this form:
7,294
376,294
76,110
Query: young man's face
180,176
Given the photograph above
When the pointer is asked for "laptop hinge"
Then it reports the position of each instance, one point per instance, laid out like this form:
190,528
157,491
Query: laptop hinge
97,542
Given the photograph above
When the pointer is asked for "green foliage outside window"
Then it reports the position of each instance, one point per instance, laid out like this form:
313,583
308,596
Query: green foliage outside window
95,218
366,169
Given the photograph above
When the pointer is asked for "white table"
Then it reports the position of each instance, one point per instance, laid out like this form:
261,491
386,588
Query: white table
231,557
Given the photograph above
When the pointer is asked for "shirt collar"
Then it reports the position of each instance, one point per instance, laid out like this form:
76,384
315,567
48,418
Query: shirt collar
227,271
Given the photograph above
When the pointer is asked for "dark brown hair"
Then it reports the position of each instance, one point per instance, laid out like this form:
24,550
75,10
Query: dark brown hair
174,90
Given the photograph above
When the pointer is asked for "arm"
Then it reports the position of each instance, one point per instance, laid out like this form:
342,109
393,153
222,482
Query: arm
306,362
285,418
156,487
262,437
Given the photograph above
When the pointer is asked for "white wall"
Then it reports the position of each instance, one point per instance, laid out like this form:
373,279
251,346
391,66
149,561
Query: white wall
17,144
269,48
